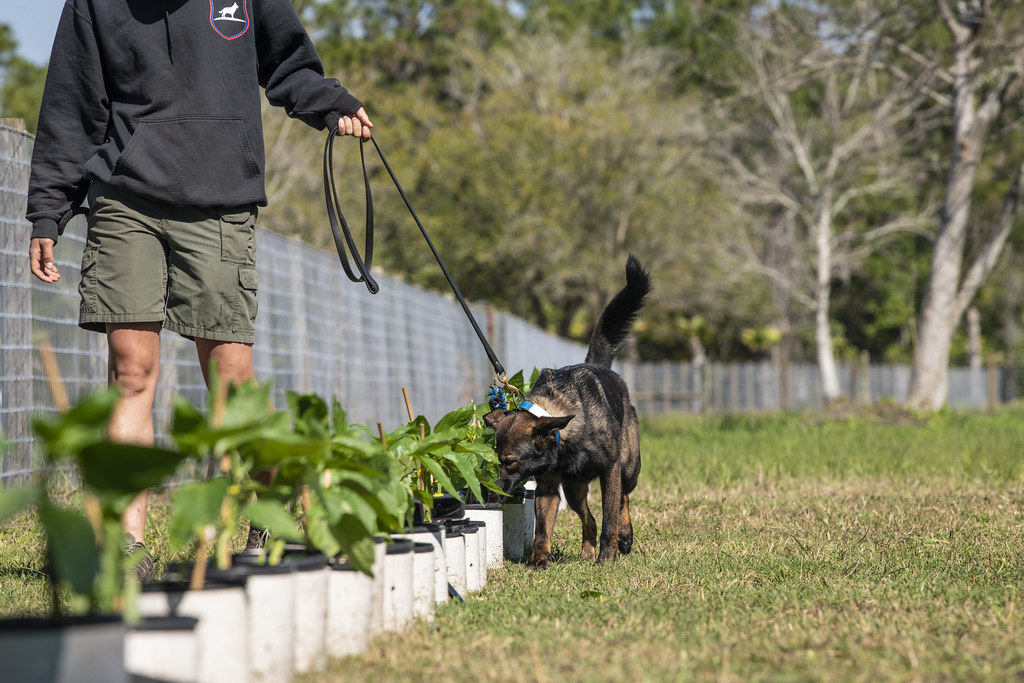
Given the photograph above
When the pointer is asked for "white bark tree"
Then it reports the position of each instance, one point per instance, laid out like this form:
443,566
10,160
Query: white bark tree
985,71
817,138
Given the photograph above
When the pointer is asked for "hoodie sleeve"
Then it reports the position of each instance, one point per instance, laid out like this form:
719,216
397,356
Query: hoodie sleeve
72,124
290,70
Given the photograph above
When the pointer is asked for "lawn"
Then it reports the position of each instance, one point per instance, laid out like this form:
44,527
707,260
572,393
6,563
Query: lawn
878,547
872,546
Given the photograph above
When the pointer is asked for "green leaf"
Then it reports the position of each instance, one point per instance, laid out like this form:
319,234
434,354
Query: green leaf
272,515
320,531
196,504
113,469
458,418
338,417
357,505
84,424
72,546
534,376
467,468
356,543
310,414
439,474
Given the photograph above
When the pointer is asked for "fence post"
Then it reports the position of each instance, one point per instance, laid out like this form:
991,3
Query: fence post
993,387
864,384
783,383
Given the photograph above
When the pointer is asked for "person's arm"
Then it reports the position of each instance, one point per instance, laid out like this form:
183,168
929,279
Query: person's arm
72,125
293,77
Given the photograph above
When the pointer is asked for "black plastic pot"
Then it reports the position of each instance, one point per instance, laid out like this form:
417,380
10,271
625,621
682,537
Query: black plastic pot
87,649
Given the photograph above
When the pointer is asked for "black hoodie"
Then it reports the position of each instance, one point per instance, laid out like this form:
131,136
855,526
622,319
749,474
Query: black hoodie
162,99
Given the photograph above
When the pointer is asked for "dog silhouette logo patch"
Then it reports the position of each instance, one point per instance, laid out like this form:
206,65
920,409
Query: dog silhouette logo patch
229,20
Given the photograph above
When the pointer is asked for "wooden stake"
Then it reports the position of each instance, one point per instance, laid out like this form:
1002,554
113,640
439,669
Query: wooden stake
408,406
60,397
383,438
202,551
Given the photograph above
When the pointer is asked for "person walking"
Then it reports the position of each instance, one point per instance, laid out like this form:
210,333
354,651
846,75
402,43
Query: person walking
150,123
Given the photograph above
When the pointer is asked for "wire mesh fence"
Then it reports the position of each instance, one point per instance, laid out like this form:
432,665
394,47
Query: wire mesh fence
316,332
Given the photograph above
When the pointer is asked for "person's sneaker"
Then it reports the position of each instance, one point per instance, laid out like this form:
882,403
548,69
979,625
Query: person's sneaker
135,550
257,539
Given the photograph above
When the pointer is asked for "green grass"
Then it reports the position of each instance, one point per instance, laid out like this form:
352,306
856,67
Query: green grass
769,548
872,547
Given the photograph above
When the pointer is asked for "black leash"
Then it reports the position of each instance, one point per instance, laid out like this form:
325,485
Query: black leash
343,237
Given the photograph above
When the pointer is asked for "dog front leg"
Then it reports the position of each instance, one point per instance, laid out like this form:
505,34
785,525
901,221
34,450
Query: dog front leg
611,502
545,506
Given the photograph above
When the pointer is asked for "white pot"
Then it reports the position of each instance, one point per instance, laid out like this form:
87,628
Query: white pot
398,586
433,533
423,582
71,650
455,554
162,649
377,586
474,567
270,596
222,630
513,528
309,646
348,610
491,514
529,500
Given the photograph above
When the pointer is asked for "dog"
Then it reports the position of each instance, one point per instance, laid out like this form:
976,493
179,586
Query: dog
229,12
575,425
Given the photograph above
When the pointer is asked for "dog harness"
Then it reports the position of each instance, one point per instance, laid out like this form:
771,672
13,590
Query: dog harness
535,410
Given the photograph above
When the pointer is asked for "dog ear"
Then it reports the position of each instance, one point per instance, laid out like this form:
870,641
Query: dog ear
549,425
492,418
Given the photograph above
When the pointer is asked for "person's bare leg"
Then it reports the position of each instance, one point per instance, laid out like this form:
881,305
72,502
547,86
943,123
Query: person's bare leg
233,359
133,365
234,364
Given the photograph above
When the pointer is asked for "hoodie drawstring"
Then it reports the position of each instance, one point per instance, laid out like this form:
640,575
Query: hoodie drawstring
167,29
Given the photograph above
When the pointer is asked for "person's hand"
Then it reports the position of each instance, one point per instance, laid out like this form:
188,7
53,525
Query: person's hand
41,257
358,125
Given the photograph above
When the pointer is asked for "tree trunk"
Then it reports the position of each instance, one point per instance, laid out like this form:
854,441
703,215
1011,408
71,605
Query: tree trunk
822,303
929,383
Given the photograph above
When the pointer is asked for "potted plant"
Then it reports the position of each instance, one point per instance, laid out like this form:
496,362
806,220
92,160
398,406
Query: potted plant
85,639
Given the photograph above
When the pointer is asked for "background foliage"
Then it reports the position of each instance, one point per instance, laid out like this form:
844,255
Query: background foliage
542,141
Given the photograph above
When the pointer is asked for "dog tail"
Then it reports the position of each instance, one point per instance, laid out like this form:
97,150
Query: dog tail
618,316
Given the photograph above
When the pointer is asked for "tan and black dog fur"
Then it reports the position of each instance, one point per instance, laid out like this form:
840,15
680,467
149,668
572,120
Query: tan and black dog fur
590,432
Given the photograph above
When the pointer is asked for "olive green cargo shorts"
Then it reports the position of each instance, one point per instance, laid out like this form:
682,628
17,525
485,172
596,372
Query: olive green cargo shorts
193,270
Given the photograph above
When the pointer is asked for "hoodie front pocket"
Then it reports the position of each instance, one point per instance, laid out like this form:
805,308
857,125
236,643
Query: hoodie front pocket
202,161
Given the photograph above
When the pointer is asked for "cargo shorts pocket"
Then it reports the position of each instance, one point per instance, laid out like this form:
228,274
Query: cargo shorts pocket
238,237
247,303
247,278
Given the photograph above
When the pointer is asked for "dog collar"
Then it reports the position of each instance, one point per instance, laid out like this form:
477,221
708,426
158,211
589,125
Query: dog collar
535,410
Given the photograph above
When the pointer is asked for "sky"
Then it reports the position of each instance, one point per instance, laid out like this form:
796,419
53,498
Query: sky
34,23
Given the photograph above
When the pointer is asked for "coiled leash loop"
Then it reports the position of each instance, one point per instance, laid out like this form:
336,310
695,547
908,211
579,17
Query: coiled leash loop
336,217
362,264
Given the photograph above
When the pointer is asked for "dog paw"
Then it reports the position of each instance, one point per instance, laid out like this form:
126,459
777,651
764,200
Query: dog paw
625,546
608,556
538,564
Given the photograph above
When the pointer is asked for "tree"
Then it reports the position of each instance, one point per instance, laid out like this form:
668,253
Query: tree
813,153
986,63
536,164
21,88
